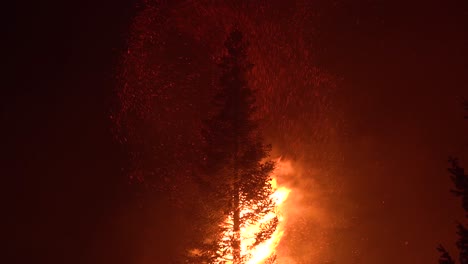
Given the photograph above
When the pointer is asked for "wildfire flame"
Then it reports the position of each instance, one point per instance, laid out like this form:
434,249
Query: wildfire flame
267,248
257,254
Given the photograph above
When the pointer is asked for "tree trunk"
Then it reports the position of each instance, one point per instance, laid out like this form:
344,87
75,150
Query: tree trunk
236,243
236,228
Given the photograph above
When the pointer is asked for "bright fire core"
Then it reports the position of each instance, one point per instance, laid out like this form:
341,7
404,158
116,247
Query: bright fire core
257,254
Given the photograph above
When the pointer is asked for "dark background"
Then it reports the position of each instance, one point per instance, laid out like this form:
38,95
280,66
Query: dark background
403,67
65,186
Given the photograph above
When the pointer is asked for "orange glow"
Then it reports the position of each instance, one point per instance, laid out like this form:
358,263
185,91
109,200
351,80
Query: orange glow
257,254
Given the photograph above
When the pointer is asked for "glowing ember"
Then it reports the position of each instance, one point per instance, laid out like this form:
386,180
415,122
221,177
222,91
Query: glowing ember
252,253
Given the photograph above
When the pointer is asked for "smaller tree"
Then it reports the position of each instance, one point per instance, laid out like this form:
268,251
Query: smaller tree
460,180
445,257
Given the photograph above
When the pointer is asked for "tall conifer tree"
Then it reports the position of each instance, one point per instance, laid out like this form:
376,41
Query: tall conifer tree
236,173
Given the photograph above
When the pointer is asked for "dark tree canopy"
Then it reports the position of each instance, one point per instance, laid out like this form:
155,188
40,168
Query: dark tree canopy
445,257
460,182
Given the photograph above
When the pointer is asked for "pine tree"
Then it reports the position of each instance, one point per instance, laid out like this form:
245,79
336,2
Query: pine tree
445,257
460,181
236,175
462,243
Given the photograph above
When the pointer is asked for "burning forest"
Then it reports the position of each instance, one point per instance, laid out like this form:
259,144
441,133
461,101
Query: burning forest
236,132
210,99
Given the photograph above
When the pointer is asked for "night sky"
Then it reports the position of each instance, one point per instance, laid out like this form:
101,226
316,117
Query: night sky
103,104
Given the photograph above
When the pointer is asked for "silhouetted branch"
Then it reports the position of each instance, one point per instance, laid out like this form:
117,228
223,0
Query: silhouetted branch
445,257
462,243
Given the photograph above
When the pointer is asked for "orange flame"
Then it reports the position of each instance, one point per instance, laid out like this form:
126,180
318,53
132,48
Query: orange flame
259,253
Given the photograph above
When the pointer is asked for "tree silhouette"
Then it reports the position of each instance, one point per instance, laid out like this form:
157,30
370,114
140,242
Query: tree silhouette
445,257
460,181
235,174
